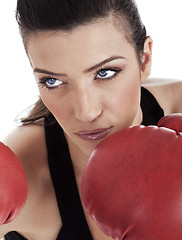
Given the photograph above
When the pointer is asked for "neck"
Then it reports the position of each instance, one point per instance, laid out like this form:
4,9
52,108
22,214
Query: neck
138,118
79,159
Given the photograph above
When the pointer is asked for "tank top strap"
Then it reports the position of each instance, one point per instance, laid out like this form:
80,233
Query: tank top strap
61,169
152,112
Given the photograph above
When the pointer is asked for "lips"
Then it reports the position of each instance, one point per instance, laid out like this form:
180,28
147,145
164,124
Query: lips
96,134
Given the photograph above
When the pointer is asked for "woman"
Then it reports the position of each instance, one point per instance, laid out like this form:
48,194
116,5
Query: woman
89,59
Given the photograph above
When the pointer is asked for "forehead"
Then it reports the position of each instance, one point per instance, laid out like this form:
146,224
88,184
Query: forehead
95,41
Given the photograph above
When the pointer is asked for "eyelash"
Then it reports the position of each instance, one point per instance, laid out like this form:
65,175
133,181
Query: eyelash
43,80
116,70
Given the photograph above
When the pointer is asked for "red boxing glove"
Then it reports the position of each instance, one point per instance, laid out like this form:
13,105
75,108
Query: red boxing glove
172,121
132,185
13,185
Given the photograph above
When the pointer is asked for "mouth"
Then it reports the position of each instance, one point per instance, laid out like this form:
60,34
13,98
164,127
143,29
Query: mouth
96,134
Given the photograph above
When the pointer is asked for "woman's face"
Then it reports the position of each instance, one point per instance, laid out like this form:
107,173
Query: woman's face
90,79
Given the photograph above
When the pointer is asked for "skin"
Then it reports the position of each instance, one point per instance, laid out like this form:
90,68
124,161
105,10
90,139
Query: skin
81,100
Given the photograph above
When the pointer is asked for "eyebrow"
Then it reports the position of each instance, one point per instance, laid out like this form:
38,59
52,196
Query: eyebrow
103,62
38,70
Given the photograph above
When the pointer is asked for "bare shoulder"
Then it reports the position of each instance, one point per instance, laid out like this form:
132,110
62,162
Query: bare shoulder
28,143
40,217
168,93
27,139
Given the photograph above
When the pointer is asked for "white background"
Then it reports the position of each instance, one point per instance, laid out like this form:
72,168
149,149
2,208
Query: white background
18,90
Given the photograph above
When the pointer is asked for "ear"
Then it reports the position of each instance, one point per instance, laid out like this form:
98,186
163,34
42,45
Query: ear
146,59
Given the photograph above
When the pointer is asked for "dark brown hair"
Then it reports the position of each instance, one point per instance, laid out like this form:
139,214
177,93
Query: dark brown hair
37,15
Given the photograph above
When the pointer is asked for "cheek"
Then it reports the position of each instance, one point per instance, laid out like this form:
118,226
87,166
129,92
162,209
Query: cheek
126,95
57,107
124,103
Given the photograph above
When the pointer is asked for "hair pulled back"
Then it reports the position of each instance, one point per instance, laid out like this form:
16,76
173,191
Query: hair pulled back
40,15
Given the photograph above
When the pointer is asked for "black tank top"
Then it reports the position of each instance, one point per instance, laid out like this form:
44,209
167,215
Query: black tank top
74,223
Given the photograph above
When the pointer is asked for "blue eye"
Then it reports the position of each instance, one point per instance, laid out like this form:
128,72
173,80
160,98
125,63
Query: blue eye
50,82
103,73
107,73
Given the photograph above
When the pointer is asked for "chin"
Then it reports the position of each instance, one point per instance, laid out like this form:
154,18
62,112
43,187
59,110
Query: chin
89,150
88,147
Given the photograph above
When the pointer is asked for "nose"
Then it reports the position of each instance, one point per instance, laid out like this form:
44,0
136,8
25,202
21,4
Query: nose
87,105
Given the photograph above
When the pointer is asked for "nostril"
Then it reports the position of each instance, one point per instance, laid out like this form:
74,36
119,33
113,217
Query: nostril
88,114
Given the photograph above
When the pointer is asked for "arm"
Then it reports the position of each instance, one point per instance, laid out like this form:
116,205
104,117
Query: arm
25,142
40,218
